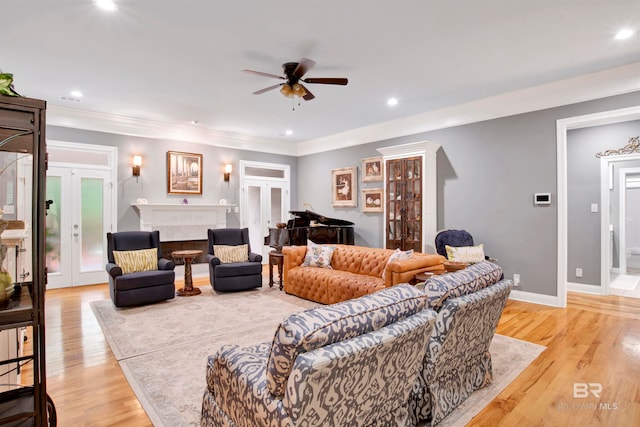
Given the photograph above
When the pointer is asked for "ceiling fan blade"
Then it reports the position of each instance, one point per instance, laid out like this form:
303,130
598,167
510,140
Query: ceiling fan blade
308,96
260,73
303,66
327,80
267,89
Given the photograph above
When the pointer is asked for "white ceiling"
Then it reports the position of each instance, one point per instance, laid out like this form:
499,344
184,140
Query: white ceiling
171,62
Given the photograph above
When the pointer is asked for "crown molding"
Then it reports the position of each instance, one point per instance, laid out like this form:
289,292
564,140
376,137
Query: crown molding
122,125
587,87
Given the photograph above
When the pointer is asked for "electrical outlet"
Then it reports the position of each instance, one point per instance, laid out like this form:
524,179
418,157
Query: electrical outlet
578,272
516,280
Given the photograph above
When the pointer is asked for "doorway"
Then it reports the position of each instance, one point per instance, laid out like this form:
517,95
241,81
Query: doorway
81,199
265,200
625,278
562,128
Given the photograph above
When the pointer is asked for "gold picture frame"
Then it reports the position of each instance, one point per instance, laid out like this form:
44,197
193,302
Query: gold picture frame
344,187
372,169
373,200
184,173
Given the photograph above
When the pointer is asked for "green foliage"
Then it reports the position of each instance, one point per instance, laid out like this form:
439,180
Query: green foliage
6,85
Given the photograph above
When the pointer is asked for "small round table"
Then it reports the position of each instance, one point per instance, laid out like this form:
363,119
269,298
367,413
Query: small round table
187,256
275,258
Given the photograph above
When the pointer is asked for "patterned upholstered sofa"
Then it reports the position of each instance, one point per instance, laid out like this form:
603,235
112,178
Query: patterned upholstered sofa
458,362
355,271
349,364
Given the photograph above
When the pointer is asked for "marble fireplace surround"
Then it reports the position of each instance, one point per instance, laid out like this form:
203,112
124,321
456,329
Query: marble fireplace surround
182,226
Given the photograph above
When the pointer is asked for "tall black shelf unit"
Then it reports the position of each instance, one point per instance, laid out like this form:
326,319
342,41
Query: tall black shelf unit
22,137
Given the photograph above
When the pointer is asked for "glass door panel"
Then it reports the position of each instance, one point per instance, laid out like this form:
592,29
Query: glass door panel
92,214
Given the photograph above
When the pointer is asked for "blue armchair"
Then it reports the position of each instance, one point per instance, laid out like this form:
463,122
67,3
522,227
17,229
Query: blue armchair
138,287
233,268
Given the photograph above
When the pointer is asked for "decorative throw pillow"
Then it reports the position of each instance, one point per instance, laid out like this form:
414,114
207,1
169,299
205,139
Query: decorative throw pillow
137,261
469,254
227,254
318,255
397,255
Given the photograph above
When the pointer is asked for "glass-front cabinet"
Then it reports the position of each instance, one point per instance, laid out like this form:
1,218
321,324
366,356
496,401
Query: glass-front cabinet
404,203
23,398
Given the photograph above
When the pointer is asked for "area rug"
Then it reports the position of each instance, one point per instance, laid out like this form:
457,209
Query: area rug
163,348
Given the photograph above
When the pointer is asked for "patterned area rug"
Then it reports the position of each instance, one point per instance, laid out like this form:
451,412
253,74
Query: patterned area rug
163,348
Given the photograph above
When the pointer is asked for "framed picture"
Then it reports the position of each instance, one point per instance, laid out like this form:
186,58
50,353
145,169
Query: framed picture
184,173
344,186
372,199
372,169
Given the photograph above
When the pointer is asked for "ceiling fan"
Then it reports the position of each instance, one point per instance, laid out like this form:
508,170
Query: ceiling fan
293,72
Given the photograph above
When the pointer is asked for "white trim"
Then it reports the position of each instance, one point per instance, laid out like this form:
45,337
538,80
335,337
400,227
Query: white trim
586,289
562,127
535,298
622,210
112,123
601,84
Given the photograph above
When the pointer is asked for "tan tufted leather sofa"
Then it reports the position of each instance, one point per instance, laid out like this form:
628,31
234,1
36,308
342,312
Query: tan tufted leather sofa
355,271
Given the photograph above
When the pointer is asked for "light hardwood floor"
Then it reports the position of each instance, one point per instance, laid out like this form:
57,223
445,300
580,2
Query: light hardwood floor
594,340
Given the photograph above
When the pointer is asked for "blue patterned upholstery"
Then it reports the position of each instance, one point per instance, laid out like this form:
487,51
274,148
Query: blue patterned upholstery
458,361
473,278
338,365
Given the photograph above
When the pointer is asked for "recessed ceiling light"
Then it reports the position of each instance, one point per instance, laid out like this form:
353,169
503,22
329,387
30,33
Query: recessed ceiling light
288,132
109,5
195,122
76,94
623,34
392,101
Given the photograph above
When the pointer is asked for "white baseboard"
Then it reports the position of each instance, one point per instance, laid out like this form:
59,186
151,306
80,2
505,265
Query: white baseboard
585,289
535,298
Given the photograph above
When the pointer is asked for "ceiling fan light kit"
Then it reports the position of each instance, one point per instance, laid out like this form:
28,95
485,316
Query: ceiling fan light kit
293,72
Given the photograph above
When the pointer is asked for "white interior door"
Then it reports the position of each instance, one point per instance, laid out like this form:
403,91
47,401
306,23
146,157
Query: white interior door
265,208
265,201
77,222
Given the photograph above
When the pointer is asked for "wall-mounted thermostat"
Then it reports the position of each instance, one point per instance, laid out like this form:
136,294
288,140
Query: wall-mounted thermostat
542,199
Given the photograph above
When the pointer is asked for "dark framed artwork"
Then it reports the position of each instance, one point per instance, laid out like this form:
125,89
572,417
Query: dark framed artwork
344,186
184,173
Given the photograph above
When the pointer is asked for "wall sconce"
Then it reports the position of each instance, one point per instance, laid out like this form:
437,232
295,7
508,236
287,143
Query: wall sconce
137,162
227,172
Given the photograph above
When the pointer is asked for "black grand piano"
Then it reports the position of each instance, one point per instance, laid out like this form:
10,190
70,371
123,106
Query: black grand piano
312,226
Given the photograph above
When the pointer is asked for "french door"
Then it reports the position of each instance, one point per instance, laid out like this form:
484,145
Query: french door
265,201
78,218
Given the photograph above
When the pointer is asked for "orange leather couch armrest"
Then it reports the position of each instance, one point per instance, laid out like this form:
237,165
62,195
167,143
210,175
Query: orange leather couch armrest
293,257
411,266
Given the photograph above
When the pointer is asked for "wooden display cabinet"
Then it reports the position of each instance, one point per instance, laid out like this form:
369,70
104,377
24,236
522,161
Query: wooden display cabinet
22,198
403,186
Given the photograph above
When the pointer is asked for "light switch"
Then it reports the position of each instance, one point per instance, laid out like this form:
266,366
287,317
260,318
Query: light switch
594,207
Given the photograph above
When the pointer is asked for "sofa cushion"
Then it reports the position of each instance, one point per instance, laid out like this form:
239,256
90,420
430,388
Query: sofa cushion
473,278
318,255
374,261
238,269
315,328
229,254
467,254
137,261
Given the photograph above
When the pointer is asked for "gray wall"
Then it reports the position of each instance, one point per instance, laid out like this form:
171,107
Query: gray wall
487,175
583,189
152,183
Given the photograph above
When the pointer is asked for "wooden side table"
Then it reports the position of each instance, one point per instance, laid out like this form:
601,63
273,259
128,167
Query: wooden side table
276,258
188,256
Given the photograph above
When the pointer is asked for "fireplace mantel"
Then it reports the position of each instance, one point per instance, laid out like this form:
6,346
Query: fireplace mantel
177,222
